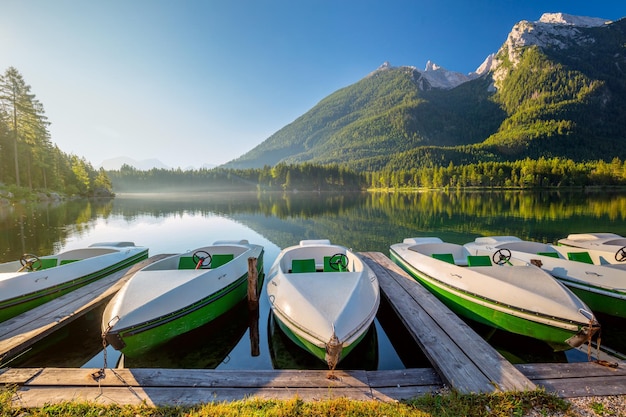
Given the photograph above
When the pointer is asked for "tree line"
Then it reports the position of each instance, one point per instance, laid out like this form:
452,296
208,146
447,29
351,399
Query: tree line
526,173
281,177
28,158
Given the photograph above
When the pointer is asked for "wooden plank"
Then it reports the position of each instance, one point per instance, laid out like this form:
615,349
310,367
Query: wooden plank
464,359
404,378
19,333
155,386
17,376
569,370
37,397
149,377
584,387
450,361
582,379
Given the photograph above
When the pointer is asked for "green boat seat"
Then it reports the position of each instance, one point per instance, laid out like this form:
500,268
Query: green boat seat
328,268
446,257
220,259
302,265
186,262
67,261
580,257
550,254
48,262
478,260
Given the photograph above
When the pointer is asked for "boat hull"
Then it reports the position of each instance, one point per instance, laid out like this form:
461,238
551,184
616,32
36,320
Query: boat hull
15,306
137,340
316,349
599,300
327,309
560,335
144,335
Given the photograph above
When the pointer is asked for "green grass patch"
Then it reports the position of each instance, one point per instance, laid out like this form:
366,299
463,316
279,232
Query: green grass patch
440,405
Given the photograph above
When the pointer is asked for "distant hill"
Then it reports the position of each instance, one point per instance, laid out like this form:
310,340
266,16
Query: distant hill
115,164
556,87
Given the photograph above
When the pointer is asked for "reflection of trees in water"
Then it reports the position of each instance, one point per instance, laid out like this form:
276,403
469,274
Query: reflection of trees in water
362,221
43,228
269,204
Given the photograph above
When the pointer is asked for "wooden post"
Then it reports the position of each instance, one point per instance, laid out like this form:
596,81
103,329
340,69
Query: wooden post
253,306
253,279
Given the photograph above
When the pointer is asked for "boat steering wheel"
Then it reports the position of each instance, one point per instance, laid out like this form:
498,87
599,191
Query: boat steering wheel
501,256
338,262
199,258
620,255
30,262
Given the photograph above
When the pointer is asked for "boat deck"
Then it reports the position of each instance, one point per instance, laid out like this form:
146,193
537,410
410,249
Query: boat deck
461,360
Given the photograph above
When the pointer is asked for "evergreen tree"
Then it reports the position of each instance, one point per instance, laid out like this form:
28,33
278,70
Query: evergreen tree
23,116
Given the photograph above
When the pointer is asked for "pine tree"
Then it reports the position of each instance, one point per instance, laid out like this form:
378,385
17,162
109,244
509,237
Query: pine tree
24,118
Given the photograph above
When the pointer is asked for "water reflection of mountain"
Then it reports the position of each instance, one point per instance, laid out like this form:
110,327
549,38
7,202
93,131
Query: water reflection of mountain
373,223
362,221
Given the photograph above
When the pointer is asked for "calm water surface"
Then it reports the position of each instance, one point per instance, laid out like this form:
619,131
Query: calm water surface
363,222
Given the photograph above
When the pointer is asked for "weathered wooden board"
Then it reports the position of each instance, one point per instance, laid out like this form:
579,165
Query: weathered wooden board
465,361
577,379
152,396
21,332
171,386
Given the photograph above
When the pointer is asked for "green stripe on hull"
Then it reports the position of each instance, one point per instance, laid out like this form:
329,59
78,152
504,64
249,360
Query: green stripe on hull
149,335
318,352
18,305
601,303
471,309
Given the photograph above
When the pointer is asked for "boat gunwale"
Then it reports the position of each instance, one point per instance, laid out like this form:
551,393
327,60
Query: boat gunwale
76,282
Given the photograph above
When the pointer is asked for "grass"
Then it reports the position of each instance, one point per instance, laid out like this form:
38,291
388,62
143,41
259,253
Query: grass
440,405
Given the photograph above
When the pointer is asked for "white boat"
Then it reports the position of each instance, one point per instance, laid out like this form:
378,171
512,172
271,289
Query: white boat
603,248
601,287
514,296
323,297
178,294
34,280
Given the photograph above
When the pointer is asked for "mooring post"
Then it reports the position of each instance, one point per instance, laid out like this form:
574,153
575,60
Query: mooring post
253,279
253,306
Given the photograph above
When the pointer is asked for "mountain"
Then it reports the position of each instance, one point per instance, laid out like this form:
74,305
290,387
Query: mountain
143,165
556,87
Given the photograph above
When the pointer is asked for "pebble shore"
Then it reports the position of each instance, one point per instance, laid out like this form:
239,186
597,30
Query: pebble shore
612,405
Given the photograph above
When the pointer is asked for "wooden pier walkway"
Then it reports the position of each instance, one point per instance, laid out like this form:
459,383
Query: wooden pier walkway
461,360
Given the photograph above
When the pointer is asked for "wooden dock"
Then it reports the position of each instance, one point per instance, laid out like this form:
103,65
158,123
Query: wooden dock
461,360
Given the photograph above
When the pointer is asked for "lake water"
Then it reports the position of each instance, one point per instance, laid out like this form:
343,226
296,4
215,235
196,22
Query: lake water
361,221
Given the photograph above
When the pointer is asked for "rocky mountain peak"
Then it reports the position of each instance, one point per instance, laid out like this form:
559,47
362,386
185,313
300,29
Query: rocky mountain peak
556,30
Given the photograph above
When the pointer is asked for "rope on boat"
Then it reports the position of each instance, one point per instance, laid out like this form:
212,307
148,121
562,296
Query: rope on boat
333,353
599,340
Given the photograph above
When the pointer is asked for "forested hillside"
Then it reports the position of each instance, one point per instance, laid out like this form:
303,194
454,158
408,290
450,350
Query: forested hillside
28,157
565,98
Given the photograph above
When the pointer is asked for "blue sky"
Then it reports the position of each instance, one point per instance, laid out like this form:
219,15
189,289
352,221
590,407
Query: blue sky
194,82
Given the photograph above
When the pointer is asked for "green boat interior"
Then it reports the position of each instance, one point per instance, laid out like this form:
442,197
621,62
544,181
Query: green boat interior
580,257
217,260
472,260
309,265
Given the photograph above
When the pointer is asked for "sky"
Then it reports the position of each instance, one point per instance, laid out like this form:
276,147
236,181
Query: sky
201,82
